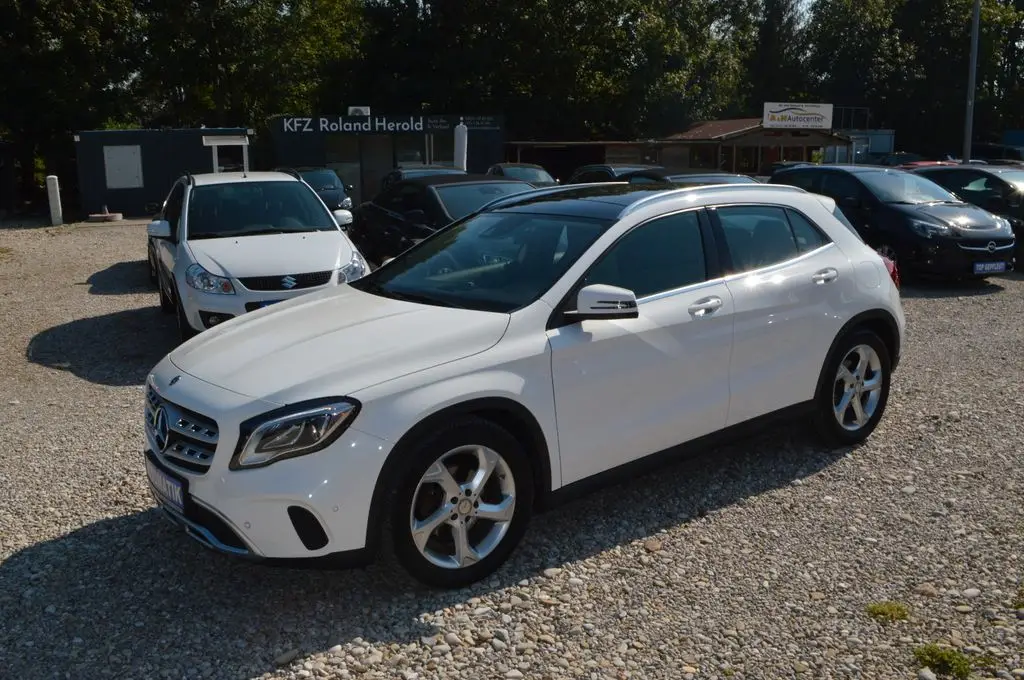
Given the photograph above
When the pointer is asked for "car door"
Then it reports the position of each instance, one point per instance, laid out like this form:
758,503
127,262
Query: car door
628,388
166,249
788,283
853,199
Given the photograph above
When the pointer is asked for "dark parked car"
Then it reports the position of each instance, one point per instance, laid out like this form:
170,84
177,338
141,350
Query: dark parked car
685,178
527,172
912,220
998,152
608,172
412,209
326,183
414,171
998,189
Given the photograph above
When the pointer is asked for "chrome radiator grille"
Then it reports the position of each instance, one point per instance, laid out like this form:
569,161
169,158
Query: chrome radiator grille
183,439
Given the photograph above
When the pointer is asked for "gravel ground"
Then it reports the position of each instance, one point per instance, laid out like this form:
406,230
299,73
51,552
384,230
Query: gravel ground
758,561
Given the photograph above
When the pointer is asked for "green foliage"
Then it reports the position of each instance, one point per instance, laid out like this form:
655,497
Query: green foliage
944,661
888,611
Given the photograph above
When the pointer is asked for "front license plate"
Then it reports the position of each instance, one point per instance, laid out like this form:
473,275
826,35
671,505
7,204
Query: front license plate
989,267
167,489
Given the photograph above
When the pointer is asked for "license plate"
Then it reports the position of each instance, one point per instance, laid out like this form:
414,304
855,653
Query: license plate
167,489
989,267
267,303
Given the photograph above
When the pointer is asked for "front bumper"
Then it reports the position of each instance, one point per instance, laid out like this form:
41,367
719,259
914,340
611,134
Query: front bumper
269,513
198,304
958,257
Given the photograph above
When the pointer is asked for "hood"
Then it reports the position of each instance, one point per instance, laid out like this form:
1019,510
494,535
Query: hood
961,216
273,254
333,343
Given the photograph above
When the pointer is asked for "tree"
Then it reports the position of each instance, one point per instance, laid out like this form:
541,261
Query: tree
775,67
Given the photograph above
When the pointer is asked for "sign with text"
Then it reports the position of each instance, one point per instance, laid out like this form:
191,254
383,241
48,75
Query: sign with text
383,125
797,116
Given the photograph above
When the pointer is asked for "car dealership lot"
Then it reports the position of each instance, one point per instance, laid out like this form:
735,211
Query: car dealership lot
755,562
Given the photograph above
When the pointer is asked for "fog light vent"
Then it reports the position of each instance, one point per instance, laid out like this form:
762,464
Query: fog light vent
308,528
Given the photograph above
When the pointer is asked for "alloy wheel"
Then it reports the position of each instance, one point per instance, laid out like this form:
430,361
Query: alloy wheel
857,389
462,507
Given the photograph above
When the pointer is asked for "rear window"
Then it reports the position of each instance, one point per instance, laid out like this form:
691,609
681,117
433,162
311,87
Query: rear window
462,199
528,174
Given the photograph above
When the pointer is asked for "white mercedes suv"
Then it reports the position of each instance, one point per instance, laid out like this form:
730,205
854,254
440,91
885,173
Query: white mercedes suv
551,339
228,243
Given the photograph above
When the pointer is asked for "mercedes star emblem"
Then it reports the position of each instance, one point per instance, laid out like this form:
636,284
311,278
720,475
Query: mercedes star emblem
174,380
288,282
161,429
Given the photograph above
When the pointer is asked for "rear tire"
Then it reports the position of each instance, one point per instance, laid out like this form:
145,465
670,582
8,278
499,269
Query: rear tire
853,390
444,496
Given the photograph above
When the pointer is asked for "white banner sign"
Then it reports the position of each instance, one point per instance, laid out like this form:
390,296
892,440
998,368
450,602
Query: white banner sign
797,116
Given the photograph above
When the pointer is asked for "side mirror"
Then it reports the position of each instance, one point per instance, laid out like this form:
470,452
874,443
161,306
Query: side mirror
159,229
416,217
601,301
343,218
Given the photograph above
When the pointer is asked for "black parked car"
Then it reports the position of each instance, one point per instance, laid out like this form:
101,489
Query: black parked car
912,220
326,183
998,189
412,209
414,171
527,172
685,178
606,172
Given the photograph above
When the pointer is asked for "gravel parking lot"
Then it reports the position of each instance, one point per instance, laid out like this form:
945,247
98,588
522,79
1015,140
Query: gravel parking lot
759,561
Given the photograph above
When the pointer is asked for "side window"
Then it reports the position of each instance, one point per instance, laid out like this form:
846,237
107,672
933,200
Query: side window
660,255
640,179
397,197
757,236
172,208
808,236
592,176
839,185
803,180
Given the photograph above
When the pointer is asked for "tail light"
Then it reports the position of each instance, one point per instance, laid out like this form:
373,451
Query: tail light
894,271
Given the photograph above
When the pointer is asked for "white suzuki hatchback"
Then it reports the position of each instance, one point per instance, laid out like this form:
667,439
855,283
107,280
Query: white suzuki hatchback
517,354
228,243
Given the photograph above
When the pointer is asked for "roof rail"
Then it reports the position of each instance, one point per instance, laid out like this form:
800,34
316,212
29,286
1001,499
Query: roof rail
291,171
675,193
512,199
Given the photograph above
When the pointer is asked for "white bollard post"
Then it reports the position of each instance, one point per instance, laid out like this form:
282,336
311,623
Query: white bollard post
461,144
53,195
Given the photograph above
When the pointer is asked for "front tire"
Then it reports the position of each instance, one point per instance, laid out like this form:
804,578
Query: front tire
185,330
854,389
463,504
167,305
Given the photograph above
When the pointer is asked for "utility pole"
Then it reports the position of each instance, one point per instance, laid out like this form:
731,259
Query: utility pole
971,83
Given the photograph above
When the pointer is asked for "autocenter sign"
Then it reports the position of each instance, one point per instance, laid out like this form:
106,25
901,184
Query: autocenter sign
797,116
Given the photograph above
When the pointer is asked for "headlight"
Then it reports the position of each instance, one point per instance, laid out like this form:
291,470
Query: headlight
295,430
355,269
928,229
346,204
1003,224
200,279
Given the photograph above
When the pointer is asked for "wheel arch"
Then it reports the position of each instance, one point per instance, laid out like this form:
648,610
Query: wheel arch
880,322
503,411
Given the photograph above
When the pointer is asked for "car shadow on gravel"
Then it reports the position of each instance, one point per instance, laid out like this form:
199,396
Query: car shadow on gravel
950,289
133,596
113,349
122,278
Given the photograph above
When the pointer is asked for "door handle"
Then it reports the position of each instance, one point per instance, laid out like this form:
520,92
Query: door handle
825,276
705,306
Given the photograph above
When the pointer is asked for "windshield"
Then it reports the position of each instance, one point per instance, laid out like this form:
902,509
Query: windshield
462,199
495,261
251,208
904,187
529,174
321,179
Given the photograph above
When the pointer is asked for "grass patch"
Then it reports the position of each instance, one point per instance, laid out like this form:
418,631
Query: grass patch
944,661
888,611
1018,602
5,252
